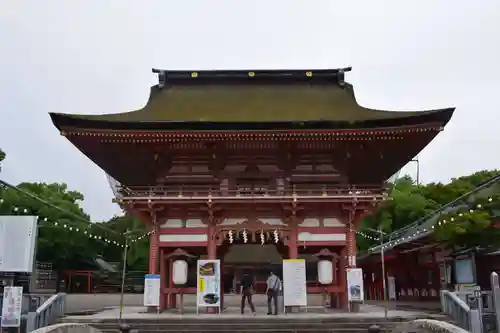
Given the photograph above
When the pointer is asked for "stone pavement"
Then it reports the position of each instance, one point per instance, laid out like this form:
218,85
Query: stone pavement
366,312
89,302
314,310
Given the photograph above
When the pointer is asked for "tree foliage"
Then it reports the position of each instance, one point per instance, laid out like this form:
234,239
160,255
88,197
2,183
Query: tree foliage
2,155
138,253
410,202
473,226
68,247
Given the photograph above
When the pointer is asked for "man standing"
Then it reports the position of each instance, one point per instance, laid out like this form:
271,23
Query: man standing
246,291
273,287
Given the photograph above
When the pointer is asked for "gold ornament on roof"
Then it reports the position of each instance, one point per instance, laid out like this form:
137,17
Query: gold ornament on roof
309,74
251,74
194,74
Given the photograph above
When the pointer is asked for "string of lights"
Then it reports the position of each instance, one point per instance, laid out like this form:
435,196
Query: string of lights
454,217
91,234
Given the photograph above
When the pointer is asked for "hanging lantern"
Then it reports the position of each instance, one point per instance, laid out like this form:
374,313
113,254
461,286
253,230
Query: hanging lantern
325,272
180,272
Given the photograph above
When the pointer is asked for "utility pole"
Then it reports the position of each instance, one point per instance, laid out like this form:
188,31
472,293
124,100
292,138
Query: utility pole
381,235
384,286
124,272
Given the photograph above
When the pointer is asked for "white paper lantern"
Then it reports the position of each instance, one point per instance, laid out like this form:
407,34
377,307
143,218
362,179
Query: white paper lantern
180,272
325,272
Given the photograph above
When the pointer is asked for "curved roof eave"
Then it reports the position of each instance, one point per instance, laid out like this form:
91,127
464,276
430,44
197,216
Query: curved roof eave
440,117
349,115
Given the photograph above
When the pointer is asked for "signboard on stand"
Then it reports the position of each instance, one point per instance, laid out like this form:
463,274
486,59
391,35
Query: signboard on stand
208,290
391,287
294,282
355,290
152,287
12,306
17,243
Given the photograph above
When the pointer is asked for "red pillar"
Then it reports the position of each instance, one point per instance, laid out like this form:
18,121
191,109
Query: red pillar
153,261
163,275
351,245
212,250
351,257
344,303
211,242
153,253
172,295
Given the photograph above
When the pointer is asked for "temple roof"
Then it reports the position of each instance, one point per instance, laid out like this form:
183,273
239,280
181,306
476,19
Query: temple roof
270,99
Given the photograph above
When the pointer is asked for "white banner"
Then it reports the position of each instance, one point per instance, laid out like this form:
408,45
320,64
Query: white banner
294,282
391,287
152,287
12,306
355,291
208,292
17,243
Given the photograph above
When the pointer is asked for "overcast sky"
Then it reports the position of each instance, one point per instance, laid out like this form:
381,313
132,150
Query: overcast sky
96,56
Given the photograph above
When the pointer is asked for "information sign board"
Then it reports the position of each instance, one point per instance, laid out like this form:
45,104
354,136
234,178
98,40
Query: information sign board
12,306
208,291
294,282
152,290
17,243
355,291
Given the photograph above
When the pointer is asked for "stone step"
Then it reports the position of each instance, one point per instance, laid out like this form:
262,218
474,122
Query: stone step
246,319
250,325
256,326
254,330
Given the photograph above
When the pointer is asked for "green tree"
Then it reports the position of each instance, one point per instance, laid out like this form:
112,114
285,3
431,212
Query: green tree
138,253
472,226
444,193
409,202
405,205
63,235
2,155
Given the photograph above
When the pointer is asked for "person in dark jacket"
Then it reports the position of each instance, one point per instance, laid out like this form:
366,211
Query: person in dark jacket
246,291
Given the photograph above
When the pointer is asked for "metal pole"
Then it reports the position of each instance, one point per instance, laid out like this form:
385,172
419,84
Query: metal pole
418,171
384,287
495,291
124,270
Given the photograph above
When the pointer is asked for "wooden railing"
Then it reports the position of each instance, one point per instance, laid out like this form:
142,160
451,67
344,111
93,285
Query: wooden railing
246,192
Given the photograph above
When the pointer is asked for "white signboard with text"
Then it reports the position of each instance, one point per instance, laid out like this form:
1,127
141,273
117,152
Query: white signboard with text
294,282
17,243
152,287
209,287
12,306
355,290
391,287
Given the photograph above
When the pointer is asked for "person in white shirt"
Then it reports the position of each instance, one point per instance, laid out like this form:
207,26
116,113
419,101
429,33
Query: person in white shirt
273,287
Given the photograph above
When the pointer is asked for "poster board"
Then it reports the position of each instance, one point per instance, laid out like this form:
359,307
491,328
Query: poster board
152,290
355,290
391,287
208,292
17,243
12,306
294,282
